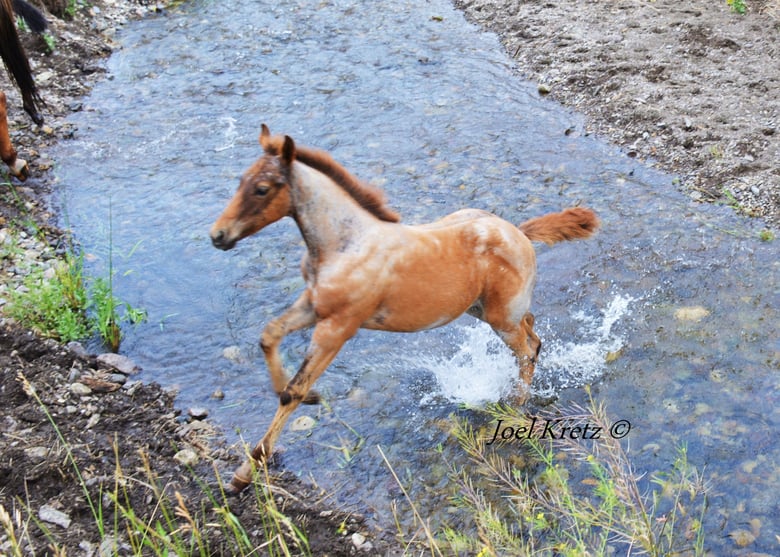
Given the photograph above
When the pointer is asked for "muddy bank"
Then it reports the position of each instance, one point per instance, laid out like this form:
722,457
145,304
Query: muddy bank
75,423
691,87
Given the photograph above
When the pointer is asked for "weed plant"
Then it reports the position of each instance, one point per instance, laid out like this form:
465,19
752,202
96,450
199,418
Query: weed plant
578,498
66,304
138,514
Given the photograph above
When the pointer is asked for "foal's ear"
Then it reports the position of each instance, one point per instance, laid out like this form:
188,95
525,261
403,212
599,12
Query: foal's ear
288,150
265,135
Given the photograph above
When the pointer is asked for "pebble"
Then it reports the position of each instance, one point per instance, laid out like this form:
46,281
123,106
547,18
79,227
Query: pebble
80,389
691,313
198,413
120,378
99,384
742,538
37,454
360,542
232,353
77,348
93,421
51,515
358,539
186,457
119,362
302,423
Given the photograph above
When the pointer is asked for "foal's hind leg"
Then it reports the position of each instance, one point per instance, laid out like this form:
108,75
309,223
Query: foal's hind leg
300,315
17,166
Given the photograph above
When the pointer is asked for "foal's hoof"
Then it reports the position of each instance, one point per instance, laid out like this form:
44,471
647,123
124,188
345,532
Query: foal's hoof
235,487
19,169
312,397
518,397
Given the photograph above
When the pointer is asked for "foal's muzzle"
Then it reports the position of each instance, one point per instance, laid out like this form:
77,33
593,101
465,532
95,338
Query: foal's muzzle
219,240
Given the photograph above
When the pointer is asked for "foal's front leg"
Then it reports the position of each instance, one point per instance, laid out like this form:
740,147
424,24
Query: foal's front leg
328,338
524,342
300,315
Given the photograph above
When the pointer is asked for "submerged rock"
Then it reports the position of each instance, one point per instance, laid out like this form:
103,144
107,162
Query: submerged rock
691,313
119,362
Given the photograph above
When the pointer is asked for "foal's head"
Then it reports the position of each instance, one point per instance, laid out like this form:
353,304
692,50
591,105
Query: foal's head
263,195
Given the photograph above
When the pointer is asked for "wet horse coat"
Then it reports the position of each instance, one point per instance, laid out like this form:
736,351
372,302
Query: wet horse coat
363,269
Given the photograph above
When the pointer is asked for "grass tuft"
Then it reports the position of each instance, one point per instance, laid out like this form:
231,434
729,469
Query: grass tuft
578,497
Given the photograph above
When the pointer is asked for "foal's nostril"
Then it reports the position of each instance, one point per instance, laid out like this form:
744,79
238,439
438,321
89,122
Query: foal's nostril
216,237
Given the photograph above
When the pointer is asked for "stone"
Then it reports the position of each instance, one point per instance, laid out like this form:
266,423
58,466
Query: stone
302,423
198,413
93,421
77,348
80,389
742,538
232,353
51,515
186,457
37,454
691,313
119,362
98,384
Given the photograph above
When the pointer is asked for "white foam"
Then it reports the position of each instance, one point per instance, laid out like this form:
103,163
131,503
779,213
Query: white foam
483,368
572,363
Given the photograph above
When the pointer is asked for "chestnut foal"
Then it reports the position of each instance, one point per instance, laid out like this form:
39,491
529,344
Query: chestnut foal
365,270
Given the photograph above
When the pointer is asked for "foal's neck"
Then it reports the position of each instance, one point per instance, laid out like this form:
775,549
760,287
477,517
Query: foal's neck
328,217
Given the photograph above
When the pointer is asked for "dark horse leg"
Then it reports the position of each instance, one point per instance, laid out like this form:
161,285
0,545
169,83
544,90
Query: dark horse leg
18,66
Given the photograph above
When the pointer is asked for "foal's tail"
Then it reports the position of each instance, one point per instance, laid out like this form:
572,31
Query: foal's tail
569,224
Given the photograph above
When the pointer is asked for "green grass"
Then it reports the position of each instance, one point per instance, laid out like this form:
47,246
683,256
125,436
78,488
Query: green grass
575,498
64,303
737,6
69,305
54,306
165,525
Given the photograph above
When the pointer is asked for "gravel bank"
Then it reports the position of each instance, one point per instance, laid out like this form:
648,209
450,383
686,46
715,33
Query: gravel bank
691,87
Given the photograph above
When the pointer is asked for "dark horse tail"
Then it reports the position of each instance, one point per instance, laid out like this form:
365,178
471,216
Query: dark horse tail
16,61
31,15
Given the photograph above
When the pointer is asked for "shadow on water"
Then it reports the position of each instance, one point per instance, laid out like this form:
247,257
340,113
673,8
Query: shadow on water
429,109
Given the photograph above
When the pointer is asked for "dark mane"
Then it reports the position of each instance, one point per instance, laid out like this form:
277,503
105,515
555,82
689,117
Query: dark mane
372,199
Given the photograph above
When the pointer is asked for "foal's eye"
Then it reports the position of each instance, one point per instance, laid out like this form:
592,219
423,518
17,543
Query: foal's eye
262,190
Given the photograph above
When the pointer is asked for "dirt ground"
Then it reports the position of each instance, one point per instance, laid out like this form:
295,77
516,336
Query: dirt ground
691,86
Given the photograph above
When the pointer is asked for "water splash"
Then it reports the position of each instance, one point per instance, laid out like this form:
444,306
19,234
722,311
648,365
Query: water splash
574,363
483,369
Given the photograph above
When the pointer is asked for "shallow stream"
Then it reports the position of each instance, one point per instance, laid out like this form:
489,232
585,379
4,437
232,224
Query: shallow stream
680,299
